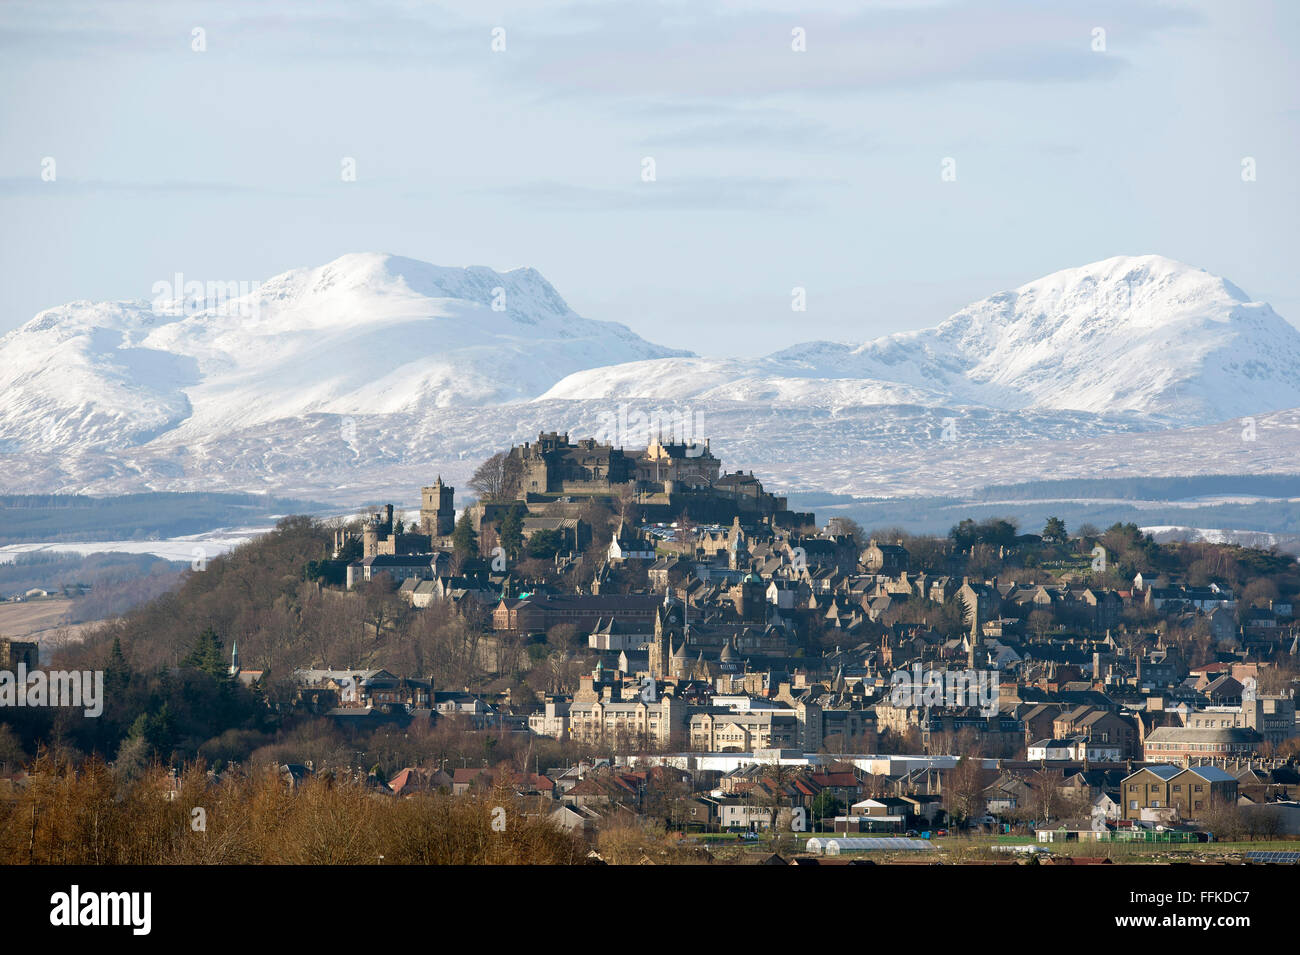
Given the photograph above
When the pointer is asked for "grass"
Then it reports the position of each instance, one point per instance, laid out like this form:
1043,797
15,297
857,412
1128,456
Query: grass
975,849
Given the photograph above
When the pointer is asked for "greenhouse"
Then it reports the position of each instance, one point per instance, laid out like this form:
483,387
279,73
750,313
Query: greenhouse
834,847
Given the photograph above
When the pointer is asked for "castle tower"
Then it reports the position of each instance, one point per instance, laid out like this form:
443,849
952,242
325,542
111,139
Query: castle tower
437,510
370,538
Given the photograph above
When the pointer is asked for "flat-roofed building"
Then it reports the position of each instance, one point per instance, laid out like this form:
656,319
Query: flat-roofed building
1177,744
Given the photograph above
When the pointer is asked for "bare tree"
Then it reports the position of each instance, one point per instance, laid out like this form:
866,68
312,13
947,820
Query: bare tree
498,478
963,790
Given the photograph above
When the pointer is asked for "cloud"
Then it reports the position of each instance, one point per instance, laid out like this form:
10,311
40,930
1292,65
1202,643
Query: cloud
696,193
709,51
768,129
326,29
34,187
642,49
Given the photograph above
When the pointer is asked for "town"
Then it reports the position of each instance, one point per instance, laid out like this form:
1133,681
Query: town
642,648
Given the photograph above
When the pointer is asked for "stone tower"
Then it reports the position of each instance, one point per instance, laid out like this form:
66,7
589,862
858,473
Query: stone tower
437,510
750,598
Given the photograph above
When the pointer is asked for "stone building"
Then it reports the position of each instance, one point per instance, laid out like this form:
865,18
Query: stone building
716,729
1169,792
666,480
554,465
380,536
14,652
888,559
437,509
677,465
602,711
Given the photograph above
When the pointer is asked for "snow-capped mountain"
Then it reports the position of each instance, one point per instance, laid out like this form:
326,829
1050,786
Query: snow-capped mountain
1139,334
365,334
374,371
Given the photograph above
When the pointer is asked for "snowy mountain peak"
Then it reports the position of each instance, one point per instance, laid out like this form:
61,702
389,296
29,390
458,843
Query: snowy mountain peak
1130,334
1146,289
379,364
522,294
366,333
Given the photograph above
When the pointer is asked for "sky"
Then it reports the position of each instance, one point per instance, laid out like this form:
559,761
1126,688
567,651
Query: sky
910,158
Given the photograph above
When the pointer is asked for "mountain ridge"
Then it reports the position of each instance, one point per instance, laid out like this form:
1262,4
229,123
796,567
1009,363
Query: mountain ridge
373,368
368,332
1144,334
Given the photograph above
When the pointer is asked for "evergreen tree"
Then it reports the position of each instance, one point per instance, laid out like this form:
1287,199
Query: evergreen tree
155,730
545,544
117,673
208,655
511,532
464,538
1054,531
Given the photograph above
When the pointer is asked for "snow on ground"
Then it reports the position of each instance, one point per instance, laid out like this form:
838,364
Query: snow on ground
1164,533
361,380
189,549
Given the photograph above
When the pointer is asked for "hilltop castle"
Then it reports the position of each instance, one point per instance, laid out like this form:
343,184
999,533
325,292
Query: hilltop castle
554,465
666,478
555,478
381,535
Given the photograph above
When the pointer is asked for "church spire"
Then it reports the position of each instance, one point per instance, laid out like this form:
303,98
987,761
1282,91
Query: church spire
974,632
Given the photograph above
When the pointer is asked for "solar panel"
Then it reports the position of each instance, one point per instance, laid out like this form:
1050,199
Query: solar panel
1274,858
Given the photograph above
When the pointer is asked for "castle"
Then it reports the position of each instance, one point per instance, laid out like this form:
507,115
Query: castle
666,479
380,534
554,465
554,478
